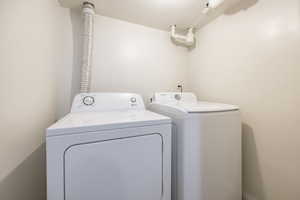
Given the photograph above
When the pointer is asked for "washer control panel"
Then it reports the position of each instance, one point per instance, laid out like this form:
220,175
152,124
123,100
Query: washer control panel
171,97
103,102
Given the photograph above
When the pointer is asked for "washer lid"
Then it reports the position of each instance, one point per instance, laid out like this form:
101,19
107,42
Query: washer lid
199,107
79,122
202,107
187,102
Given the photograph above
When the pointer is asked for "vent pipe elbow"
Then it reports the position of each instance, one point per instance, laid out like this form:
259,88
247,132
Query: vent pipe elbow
187,40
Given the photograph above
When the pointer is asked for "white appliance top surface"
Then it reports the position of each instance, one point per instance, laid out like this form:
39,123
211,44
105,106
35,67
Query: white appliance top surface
202,107
188,103
105,111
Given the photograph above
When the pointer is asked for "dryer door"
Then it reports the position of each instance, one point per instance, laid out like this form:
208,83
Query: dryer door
118,169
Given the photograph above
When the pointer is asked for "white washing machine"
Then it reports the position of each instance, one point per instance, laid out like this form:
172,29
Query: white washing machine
206,147
109,147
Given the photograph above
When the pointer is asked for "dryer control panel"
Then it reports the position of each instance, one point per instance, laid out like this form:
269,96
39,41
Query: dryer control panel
104,102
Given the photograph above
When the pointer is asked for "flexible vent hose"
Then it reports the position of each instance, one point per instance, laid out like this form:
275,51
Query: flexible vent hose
87,44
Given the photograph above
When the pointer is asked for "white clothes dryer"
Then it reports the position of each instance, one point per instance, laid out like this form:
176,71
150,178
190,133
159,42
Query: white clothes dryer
109,147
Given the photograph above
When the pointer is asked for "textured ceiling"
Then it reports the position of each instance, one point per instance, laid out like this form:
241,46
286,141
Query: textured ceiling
158,14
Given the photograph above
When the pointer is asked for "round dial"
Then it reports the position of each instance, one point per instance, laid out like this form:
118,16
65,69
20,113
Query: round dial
177,97
88,100
133,100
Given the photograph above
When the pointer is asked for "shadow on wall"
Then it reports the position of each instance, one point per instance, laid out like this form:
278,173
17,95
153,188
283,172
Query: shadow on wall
28,180
242,5
299,11
77,31
253,187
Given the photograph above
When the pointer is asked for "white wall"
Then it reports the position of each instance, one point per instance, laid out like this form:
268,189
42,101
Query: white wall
134,58
251,58
128,58
34,43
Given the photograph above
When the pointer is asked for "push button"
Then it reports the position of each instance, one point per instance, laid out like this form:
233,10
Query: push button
177,97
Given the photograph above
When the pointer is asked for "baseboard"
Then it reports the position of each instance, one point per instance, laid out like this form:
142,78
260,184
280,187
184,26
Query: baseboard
247,196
